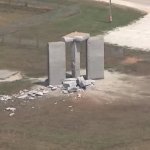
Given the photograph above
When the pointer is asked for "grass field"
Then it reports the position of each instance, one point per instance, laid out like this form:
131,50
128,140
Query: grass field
93,123
41,125
66,16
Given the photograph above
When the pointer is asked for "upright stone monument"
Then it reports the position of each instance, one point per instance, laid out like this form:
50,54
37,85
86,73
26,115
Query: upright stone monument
75,39
94,48
56,62
95,58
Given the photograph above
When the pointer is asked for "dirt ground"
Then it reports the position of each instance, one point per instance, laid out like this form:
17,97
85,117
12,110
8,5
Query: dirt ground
112,115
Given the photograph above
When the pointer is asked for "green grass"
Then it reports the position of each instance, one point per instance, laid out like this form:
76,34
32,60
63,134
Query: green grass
8,88
91,17
83,16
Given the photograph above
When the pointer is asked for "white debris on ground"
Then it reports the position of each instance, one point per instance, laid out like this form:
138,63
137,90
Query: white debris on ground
5,97
11,110
68,86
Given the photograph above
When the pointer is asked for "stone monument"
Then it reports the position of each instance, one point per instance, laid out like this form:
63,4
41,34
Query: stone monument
94,57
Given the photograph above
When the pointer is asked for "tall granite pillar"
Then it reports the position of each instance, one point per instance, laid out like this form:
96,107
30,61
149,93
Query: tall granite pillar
56,62
95,58
75,40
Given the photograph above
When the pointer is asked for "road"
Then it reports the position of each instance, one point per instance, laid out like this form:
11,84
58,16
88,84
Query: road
142,2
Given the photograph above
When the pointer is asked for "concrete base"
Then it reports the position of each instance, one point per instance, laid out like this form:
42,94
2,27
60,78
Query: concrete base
56,62
95,58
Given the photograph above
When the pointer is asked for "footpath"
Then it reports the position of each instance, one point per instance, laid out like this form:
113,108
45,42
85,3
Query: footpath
137,34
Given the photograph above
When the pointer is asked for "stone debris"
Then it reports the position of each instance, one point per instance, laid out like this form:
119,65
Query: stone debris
5,97
79,95
69,86
54,88
90,82
23,96
39,93
11,109
55,103
76,85
11,114
71,110
70,106
81,82
50,86
64,91
27,94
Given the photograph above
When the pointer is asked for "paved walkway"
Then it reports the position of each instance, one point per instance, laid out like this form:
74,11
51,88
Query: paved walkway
135,35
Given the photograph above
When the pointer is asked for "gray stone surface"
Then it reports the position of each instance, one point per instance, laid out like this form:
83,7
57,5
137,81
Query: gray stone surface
76,36
75,40
56,62
76,47
95,58
81,82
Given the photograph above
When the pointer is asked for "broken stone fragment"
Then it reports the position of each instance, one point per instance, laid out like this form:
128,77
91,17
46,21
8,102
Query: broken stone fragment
71,90
90,82
39,93
11,114
45,91
11,109
81,82
50,86
79,95
31,98
54,88
23,96
69,84
5,98
64,91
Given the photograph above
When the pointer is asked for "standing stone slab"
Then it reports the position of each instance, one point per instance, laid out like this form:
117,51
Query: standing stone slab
95,58
76,46
56,62
75,39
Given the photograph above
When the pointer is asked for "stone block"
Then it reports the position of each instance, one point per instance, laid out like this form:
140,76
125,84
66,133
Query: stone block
75,40
56,62
95,58
76,59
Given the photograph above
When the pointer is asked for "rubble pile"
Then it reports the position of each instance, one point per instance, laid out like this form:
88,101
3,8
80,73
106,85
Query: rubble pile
69,85
5,97
26,94
75,85
11,110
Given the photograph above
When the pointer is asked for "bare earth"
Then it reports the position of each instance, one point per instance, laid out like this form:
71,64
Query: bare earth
135,35
112,115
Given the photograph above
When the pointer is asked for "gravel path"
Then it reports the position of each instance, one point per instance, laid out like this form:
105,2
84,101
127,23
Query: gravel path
135,35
